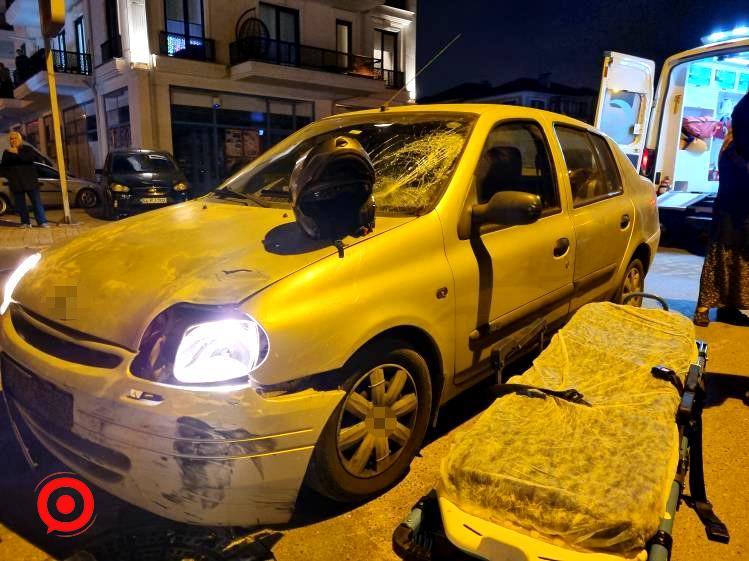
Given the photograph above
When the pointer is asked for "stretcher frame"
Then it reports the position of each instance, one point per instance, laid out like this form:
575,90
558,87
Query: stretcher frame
437,529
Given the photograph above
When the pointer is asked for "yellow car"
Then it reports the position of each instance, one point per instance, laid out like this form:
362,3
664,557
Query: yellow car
205,360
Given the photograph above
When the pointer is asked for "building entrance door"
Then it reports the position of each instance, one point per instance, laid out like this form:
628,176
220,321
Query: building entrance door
195,152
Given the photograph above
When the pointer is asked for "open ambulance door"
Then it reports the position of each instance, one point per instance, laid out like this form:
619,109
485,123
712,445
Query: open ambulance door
625,102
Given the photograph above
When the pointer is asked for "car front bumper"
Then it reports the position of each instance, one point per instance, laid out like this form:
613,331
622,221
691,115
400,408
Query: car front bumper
220,457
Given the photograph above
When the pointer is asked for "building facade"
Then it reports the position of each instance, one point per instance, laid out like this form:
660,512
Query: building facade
215,82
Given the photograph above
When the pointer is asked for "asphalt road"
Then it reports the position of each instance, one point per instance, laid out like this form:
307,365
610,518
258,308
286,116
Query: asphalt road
322,531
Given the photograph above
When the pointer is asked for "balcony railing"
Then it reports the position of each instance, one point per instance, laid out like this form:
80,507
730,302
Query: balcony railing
111,49
293,54
187,46
66,62
393,78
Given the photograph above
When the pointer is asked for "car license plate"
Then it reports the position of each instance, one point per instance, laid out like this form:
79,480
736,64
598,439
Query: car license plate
153,200
44,400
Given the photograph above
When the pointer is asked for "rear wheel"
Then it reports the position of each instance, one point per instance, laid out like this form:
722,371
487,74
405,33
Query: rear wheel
633,281
4,205
374,433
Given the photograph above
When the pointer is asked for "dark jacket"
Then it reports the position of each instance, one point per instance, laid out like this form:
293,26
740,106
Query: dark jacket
19,170
731,208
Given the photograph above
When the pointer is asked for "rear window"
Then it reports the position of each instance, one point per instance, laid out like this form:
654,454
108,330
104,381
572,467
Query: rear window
142,163
590,165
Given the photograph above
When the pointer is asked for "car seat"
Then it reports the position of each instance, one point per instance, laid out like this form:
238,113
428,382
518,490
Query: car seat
504,171
584,178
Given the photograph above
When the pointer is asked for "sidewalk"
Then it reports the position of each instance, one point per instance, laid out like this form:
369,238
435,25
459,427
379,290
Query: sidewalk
13,237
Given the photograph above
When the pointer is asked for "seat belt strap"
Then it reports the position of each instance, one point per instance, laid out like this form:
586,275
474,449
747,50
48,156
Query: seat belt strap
571,395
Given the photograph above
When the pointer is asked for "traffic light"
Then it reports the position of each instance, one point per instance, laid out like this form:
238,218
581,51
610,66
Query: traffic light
52,16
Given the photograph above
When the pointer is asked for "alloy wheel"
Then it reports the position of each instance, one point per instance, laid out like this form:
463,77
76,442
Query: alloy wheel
87,198
377,420
633,282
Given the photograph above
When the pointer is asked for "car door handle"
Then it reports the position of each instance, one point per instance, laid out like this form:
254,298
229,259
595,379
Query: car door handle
624,222
561,247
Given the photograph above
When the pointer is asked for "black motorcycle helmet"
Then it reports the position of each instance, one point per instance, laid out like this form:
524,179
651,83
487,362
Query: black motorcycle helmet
331,190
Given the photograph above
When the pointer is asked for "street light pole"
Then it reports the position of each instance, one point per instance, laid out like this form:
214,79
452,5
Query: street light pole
57,129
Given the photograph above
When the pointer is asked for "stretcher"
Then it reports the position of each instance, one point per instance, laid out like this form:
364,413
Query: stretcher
583,457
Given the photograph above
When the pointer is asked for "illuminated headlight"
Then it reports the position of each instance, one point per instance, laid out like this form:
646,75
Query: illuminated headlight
15,277
181,186
118,188
221,350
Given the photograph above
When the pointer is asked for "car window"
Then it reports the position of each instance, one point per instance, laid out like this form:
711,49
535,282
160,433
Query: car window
516,158
607,163
589,179
46,172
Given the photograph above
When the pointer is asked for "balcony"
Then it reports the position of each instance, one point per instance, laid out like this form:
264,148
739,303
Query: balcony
293,54
189,47
393,78
71,70
111,48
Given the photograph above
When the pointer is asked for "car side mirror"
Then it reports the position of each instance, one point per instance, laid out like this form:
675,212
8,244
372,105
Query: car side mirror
508,208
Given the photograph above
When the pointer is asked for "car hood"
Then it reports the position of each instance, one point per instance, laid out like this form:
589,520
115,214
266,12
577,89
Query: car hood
112,281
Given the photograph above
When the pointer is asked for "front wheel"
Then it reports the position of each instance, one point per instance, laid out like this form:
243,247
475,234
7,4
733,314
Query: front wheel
633,281
87,198
374,433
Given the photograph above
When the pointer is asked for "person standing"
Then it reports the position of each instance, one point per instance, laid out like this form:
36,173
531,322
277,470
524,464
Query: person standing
6,82
18,163
724,283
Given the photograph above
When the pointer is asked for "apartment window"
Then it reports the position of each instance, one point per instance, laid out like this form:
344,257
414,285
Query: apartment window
80,36
283,27
58,42
184,25
386,55
343,42
117,112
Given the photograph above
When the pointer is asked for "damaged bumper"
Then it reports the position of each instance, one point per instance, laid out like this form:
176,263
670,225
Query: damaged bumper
222,457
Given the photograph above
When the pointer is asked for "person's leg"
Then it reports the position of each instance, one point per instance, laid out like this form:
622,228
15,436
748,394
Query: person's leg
20,201
36,200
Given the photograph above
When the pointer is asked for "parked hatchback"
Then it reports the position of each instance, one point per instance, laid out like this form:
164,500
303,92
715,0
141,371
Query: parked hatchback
209,358
136,180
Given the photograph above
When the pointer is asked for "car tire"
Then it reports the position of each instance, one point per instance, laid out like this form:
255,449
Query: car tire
87,198
366,446
632,281
5,206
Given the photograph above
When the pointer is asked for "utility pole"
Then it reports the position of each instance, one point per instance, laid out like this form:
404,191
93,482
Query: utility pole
52,20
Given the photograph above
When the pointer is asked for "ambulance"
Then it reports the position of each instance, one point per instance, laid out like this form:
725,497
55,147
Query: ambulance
673,131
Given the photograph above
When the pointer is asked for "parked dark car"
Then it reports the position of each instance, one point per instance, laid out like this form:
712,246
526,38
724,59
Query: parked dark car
135,180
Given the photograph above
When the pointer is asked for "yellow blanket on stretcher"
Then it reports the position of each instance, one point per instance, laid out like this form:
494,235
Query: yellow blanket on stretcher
594,478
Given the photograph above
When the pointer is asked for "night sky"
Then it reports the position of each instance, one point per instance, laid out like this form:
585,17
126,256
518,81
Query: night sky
504,40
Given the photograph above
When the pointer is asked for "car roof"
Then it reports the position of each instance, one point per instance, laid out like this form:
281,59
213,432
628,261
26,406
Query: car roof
492,110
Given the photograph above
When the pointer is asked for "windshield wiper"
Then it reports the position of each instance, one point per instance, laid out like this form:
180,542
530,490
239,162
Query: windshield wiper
276,193
229,194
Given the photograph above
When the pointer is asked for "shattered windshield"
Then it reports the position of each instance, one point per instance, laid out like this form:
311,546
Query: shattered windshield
414,155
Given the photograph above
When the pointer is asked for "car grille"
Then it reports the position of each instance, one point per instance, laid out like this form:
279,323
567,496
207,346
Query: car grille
55,346
45,400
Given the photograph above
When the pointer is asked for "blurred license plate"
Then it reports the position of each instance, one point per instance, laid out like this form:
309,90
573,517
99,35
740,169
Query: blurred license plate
46,401
153,200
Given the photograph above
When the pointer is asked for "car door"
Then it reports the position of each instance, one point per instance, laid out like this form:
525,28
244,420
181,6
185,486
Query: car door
625,102
602,215
49,185
506,277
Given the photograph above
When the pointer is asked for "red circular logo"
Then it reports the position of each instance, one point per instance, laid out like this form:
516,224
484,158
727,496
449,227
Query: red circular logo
71,497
